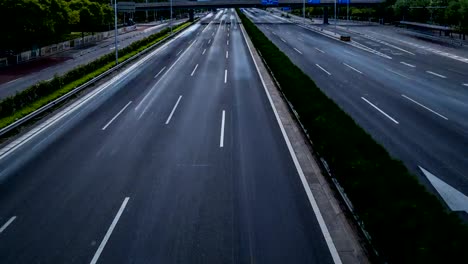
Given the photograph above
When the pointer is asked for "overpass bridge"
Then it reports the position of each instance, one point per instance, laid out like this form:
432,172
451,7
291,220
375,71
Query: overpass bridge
248,3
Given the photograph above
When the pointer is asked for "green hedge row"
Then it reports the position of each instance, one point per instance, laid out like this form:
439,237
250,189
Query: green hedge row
14,103
407,224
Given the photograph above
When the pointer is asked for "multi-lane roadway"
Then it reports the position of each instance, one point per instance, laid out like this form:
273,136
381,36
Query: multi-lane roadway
411,99
178,159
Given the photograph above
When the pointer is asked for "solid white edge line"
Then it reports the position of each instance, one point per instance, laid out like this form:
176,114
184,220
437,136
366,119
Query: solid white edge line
156,76
221,138
352,68
227,54
310,195
378,109
109,231
425,107
173,110
407,64
7,224
322,69
117,115
194,69
203,53
298,51
320,50
225,76
436,74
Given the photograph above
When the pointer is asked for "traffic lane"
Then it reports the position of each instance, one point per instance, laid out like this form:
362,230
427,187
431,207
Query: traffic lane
195,209
444,156
442,95
10,88
61,199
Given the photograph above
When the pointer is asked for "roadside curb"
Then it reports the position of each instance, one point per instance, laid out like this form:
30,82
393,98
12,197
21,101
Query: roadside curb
344,236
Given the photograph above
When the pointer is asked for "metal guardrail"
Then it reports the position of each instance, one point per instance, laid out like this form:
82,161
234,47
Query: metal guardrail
80,88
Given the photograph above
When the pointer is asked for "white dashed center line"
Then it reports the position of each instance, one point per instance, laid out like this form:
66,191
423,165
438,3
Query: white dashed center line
407,64
436,74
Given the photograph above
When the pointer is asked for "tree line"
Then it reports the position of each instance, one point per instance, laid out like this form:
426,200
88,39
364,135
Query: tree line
27,24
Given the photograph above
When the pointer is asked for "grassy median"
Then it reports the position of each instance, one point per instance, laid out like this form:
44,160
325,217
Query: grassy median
407,224
36,96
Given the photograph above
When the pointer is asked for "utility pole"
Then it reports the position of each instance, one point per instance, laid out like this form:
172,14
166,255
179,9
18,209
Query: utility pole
116,31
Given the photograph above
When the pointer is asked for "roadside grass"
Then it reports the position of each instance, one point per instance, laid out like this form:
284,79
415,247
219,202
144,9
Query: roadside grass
33,104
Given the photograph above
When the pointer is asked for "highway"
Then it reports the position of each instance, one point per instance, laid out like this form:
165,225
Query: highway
412,101
178,159
66,61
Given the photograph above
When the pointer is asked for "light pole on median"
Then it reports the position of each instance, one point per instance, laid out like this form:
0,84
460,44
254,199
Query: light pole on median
335,16
347,11
303,10
115,33
171,18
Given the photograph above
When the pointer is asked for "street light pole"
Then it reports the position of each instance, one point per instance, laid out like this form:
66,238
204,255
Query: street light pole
347,10
335,16
115,33
303,10
171,18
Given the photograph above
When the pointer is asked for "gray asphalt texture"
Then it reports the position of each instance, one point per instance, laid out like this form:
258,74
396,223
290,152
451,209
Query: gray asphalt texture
190,200
421,137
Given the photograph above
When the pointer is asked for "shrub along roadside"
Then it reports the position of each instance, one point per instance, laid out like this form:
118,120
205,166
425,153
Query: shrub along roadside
40,94
407,224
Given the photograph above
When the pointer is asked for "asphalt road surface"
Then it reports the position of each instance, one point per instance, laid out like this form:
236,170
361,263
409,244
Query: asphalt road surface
179,160
411,100
20,78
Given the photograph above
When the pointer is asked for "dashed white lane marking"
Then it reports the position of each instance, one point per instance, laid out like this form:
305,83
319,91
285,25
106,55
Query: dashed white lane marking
225,76
178,52
209,41
320,50
323,69
352,68
465,84
436,74
399,74
380,110
425,107
117,115
194,69
283,40
273,33
156,76
173,110
109,232
227,54
203,53
227,43
7,224
348,52
298,51
221,138
407,64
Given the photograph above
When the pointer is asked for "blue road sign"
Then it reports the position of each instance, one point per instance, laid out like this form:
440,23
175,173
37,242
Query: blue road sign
344,1
313,1
269,2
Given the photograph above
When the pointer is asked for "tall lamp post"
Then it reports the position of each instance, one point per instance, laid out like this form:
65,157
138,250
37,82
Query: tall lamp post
303,10
335,16
115,33
171,17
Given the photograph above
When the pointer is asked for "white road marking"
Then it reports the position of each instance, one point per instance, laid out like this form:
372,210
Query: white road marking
173,110
209,41
322,69
178,52
283,40
399,74
203,53
345,51
352,68
225,76
212,34
407,64
300,39
227,43
465,84
436,74
7,224
320,50
378,109
12,81
425,107
117,115
156,76
109,232
305,184
221,138
194,69
298,51
273,33
456,200
227,54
